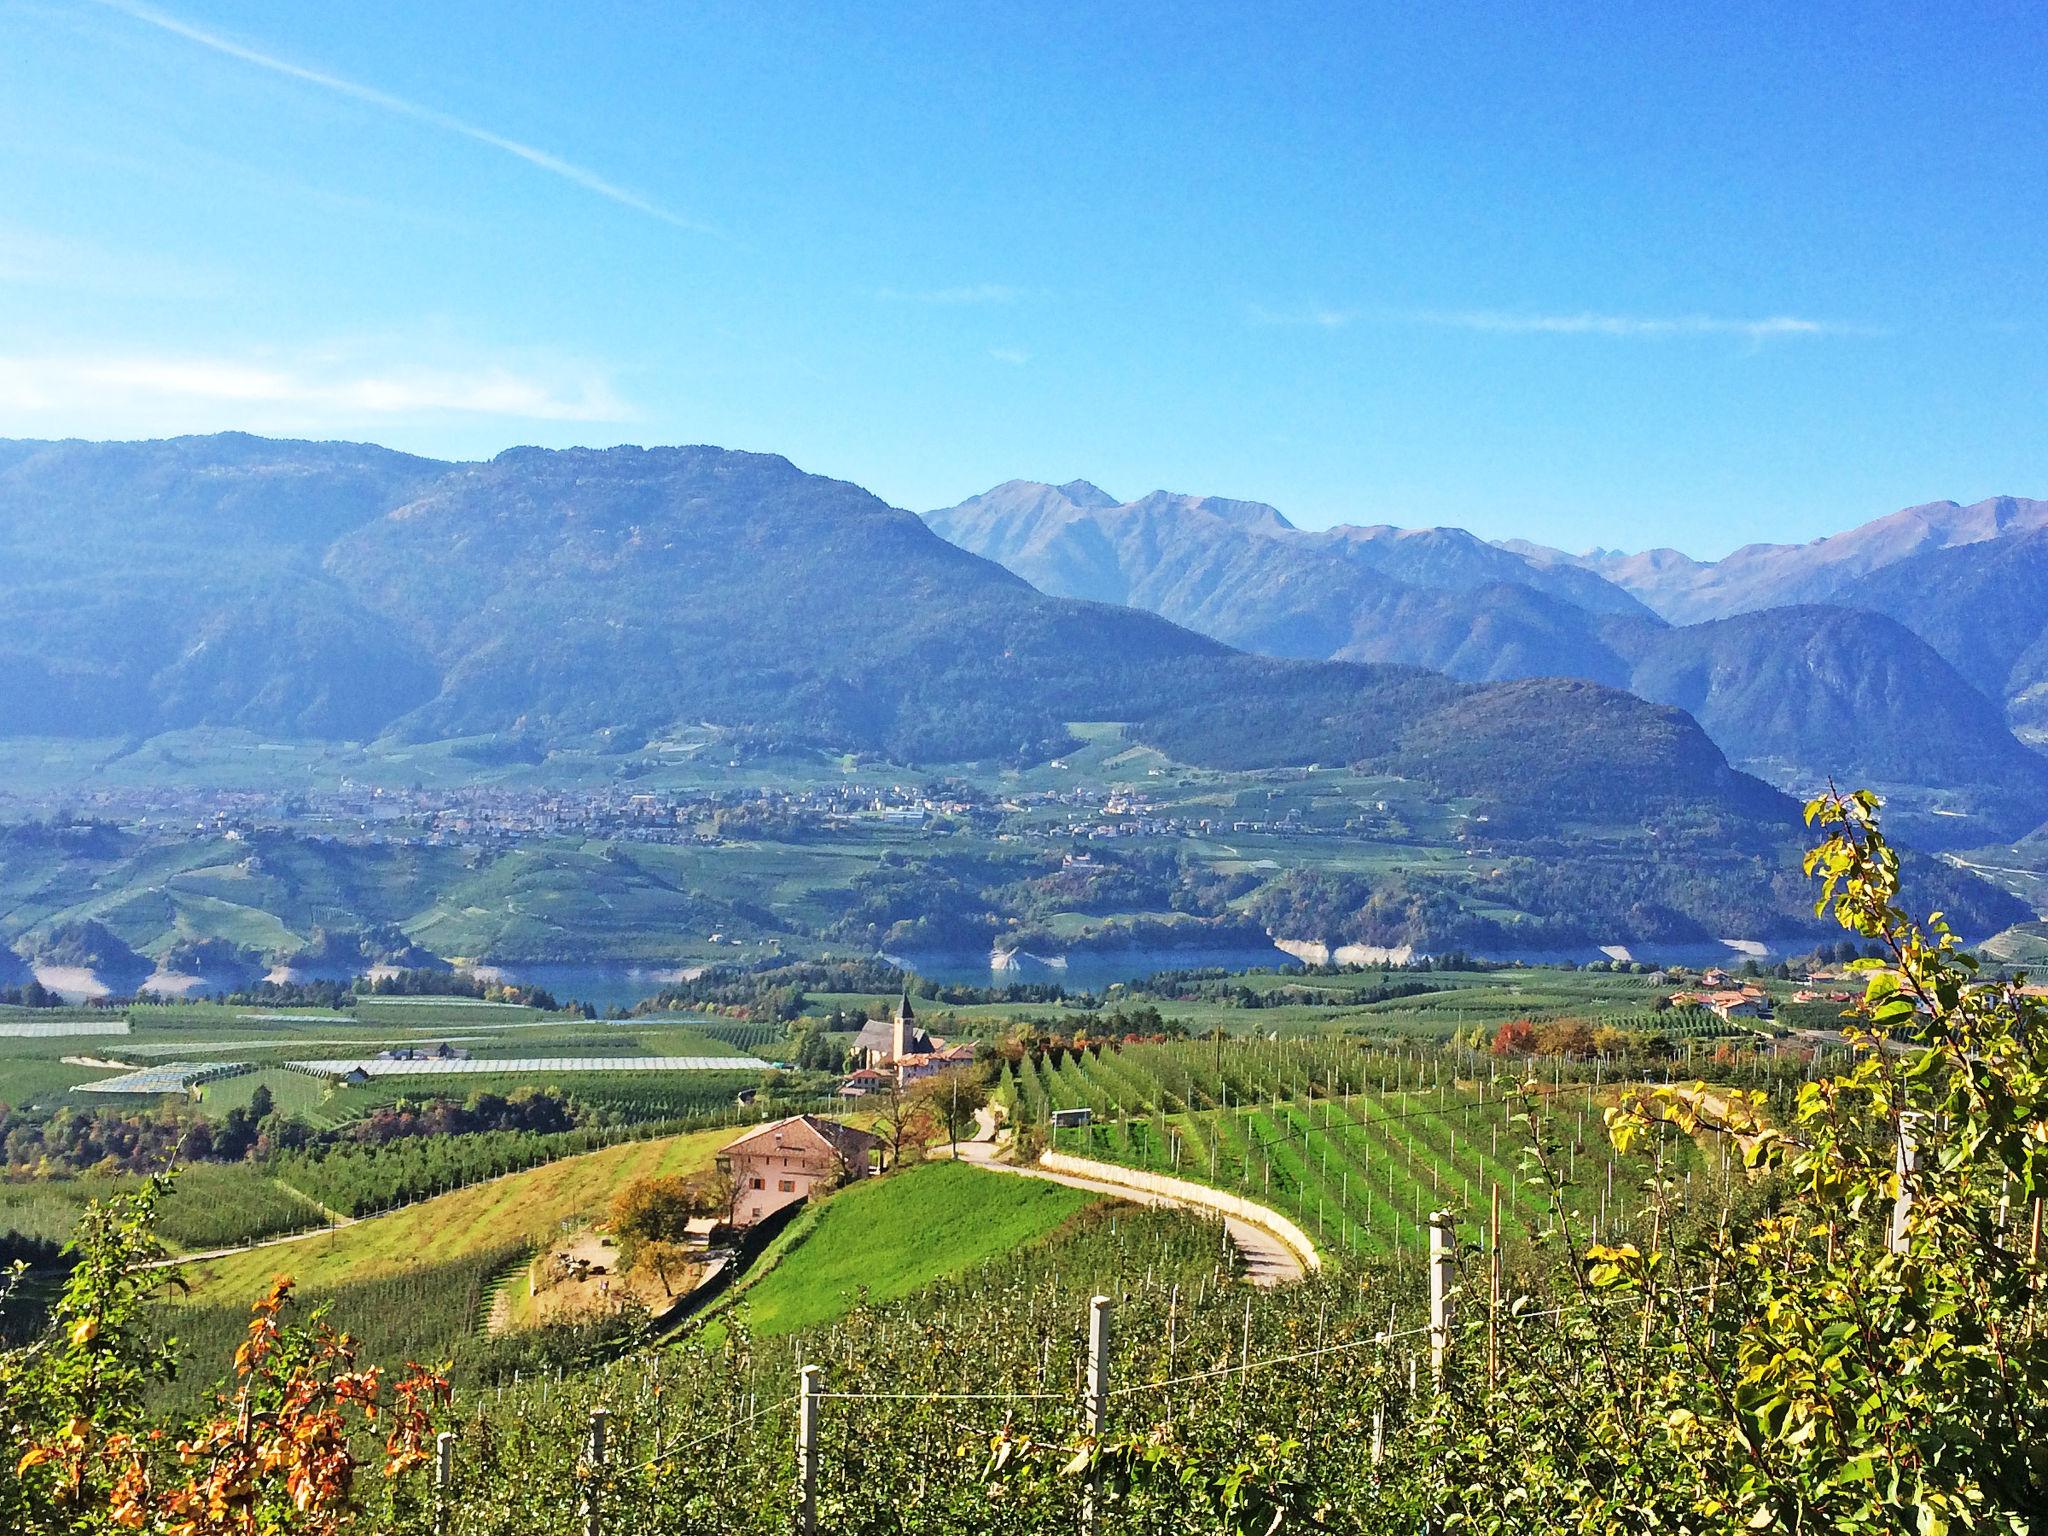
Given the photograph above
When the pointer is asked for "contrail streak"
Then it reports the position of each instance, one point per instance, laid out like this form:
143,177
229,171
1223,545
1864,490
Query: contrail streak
398,106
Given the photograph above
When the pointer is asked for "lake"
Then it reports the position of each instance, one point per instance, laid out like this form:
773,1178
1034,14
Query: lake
1088,971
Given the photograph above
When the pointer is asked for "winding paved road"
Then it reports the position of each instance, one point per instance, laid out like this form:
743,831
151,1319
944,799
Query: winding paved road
1267,1260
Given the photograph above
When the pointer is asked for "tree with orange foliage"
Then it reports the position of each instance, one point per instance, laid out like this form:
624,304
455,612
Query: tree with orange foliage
1517,1037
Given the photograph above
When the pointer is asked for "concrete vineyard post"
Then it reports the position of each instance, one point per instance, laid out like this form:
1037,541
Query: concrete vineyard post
809,1394
593,1511
1908,1163
1095,1401
1439,1295
444,1478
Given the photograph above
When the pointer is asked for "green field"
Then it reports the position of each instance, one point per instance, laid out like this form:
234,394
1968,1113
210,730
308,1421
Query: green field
884,1238
213,1205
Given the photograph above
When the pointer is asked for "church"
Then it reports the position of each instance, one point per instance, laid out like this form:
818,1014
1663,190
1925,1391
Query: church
884,1042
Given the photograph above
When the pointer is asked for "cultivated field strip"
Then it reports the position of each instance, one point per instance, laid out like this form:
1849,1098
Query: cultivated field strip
1358,1145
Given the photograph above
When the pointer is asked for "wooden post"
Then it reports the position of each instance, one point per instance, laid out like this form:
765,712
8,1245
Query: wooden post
1440,1232
1095,1400
593,1513
810,1391
444,1478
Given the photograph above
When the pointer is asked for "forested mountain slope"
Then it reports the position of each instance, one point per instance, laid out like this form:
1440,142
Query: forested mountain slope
619,594
615,598
1967,579
1768,686
1787,691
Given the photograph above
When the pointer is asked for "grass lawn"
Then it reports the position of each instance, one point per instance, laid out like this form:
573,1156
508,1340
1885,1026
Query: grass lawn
522,1207
895,1235
294,1093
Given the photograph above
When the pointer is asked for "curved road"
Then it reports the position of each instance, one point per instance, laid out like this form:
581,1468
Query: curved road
1267,1260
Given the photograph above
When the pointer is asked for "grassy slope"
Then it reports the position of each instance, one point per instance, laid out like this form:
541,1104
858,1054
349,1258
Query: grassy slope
894,1235
523,1206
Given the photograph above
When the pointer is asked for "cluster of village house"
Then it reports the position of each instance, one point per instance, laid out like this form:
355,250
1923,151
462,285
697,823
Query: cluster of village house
1721,994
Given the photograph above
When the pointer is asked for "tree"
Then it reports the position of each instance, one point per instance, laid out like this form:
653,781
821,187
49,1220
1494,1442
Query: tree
1860,1352
1571,1038
666,1260
906,1123
1517,1037
658,1210
951,1100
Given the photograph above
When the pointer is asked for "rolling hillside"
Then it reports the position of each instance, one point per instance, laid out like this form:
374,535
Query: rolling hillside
518,1208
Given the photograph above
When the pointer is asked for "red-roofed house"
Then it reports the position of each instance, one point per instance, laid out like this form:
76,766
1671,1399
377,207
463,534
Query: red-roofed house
781,1163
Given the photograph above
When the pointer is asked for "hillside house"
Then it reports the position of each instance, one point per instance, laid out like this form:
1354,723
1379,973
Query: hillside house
945,1059
867,1080
1749,1003
781,1163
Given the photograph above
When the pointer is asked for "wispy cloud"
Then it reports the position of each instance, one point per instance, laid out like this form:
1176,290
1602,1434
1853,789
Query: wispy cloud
1503,322
399,106
152,387
968,293
30,259
1327,319
1587,323
1016,357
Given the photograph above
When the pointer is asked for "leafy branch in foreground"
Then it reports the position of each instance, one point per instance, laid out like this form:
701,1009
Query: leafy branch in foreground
1866,1354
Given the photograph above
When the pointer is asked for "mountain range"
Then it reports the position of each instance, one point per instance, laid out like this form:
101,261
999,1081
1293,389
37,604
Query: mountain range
1902,654
616,599
343,591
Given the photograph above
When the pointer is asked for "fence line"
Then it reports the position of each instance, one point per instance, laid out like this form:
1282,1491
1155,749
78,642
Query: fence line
1090,1399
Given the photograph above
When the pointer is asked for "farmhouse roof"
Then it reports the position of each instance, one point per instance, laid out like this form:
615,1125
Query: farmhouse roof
804,1133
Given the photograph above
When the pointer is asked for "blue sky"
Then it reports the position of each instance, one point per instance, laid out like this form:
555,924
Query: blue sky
1621,275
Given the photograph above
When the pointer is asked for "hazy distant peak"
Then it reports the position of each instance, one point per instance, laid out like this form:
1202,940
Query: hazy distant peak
1085,493
1248,516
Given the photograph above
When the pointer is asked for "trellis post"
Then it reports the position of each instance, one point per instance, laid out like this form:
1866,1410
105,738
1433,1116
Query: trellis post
593,1514
1493,1282
1908,1164
809,1394
444,1478
1440,1232
1095,1401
